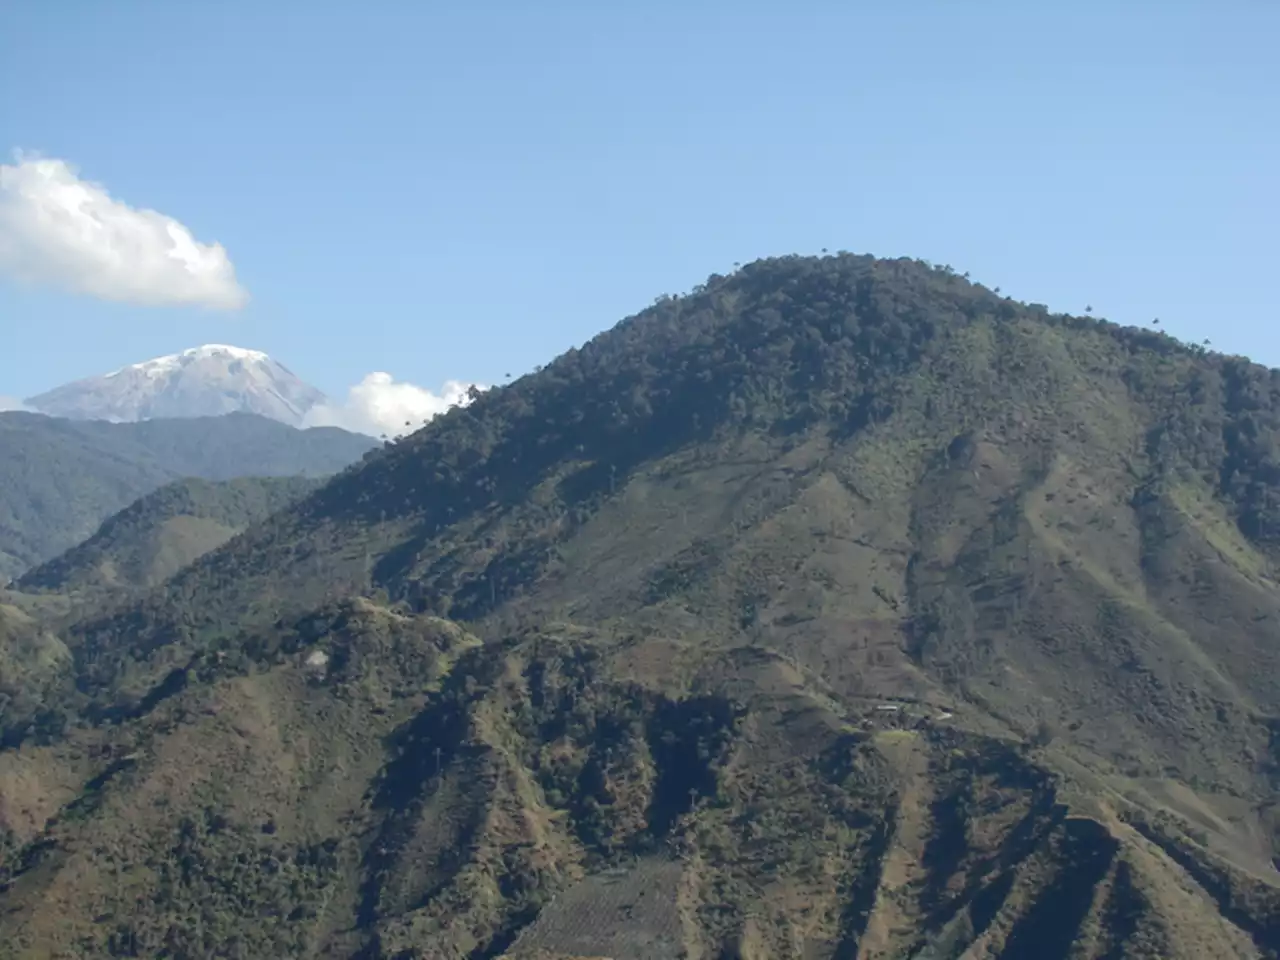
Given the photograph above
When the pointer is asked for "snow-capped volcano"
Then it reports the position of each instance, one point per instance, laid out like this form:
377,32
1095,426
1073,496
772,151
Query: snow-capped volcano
200,382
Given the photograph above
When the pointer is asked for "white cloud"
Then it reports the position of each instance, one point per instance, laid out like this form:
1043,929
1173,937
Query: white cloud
59,230
379,405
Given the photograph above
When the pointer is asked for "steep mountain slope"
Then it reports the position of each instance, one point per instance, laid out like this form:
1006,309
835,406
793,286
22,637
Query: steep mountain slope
840,609
59,479
206,381
29,653
165,530
364,783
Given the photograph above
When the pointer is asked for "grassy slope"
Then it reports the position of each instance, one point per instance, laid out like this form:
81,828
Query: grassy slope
1053,531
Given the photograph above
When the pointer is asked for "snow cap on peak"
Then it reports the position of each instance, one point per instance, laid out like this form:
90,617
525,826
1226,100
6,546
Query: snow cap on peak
204,381
213,349
174,361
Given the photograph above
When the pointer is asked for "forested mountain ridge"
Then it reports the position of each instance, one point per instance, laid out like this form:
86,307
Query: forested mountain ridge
846,607
60,478
160,533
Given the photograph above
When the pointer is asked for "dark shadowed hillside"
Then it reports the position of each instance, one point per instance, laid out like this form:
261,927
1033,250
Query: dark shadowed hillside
160,533
841,609
59,479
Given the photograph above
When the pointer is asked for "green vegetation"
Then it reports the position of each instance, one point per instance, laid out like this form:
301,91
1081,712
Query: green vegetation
840,609
30,658
157,535
59,479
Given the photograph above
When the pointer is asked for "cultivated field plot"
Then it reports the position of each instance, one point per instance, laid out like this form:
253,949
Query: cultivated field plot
624,914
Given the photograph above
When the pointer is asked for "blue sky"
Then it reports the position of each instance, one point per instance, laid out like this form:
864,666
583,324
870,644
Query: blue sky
464,190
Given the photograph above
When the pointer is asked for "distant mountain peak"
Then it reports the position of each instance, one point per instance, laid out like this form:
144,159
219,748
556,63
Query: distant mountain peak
158,366
208,380
240,353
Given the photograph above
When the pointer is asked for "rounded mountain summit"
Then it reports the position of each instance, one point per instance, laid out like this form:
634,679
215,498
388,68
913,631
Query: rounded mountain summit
205,381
